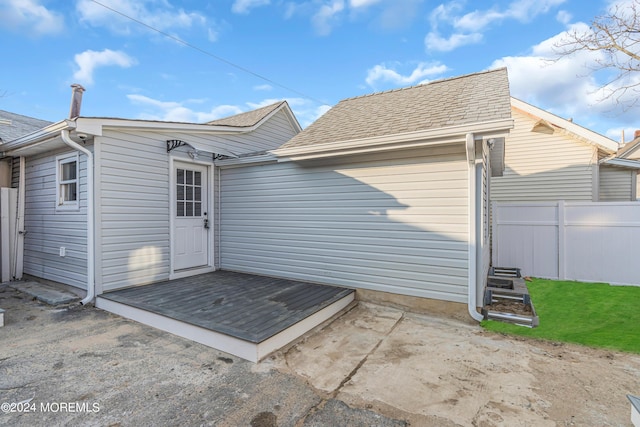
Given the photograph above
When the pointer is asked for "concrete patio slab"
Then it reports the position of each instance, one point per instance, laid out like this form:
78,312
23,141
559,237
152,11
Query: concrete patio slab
326,359
46,294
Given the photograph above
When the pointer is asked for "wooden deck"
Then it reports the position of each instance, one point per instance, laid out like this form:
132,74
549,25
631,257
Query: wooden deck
256,314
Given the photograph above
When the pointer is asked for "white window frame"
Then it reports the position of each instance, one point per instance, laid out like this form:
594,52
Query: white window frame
60,161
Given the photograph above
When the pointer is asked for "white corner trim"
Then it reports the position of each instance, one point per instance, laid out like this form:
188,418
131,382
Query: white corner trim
472,215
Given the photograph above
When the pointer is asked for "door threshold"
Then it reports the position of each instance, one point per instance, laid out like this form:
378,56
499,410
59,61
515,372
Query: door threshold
192,271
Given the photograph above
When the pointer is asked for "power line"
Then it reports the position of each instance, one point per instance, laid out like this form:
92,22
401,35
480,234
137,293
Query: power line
214,56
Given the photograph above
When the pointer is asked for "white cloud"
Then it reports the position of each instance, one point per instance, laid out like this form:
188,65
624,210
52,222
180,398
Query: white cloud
399,14
264,103
433,41
566,86
89,60
564,17
265,87
159,15
245,6
520,10
31,16
324,19
362,3
467,28
382,73
180,111
173,111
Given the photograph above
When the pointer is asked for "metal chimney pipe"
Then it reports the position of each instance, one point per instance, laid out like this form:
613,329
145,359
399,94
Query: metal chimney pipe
76,100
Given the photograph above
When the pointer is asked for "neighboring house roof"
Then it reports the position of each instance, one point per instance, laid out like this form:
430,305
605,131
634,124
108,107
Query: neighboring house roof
436,109
251,118
14,125
631,150
554,122
627,157
31,143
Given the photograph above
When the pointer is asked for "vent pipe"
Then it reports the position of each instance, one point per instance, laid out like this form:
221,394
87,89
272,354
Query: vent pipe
76,100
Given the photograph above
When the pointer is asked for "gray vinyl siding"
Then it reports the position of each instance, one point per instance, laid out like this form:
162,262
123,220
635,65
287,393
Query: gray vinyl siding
48,229
133,210
616,184
394,222
543,166
270,135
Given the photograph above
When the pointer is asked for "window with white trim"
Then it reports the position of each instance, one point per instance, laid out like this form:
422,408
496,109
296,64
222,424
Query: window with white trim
67,182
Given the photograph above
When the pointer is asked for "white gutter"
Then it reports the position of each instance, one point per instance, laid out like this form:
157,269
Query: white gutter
451,134
91,291
624,163
472,247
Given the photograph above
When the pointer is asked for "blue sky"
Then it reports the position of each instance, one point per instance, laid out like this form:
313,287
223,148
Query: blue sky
196,61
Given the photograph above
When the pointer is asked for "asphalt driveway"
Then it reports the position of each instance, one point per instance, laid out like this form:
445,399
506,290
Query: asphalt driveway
375,366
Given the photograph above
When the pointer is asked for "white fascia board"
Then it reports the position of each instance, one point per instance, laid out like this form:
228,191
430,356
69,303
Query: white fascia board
287,110
95,126
292,118
164,126
430,137
624,163
589,136
246,161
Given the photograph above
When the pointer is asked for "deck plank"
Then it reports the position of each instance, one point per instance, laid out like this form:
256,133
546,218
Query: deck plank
245,306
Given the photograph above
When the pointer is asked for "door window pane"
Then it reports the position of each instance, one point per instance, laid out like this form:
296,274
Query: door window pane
188,193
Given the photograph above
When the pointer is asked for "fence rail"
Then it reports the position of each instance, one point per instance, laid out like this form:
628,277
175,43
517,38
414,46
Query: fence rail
591,242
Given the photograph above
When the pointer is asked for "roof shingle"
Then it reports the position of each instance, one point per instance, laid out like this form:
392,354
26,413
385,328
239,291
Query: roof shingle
13,126
248,119
473,98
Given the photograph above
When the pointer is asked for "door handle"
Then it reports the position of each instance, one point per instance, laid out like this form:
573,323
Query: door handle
206,221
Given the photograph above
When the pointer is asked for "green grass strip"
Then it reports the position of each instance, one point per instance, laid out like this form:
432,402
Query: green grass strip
592,314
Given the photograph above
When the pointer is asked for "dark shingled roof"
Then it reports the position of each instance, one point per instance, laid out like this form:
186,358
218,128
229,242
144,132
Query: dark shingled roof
248,119
13,126
474,98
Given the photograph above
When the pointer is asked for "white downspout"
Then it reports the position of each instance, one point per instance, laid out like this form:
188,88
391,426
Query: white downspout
19,266
472,247
91,291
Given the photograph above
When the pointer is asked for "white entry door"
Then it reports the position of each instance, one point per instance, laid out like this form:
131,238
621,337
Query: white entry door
191,220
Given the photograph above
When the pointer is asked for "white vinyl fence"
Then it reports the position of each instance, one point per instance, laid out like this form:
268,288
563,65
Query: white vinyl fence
590,242
8,235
